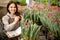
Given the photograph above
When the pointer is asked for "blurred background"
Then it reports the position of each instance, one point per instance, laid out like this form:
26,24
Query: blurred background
3,3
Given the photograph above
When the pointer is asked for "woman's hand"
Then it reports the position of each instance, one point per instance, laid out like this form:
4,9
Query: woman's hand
17,19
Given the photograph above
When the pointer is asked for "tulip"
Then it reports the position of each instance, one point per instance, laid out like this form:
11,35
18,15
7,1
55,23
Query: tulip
48,15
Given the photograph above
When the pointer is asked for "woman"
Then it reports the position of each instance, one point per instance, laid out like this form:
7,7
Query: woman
11,21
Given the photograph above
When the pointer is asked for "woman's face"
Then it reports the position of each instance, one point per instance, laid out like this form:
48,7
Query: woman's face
12,8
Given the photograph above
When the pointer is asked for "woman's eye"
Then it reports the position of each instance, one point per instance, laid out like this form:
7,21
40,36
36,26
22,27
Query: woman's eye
11,7
14,7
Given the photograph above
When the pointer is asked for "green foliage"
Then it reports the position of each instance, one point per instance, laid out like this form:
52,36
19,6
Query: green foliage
23,2
50,19
52,2
45,1
38,1
30,32
58,3
48,15
55,2
32,14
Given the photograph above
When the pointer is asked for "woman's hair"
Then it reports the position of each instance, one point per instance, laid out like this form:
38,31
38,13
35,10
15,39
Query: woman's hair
10,4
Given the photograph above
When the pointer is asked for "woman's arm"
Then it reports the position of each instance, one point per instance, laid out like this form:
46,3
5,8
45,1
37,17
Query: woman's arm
8,26
15,33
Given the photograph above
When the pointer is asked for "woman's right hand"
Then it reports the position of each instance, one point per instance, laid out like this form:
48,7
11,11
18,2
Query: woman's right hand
17,19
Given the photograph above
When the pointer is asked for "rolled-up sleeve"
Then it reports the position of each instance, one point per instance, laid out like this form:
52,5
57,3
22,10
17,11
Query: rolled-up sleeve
7,26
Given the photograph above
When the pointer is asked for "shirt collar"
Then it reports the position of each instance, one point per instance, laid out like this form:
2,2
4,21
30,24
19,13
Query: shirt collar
11,16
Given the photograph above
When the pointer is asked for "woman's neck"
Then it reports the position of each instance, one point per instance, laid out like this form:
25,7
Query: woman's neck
11,14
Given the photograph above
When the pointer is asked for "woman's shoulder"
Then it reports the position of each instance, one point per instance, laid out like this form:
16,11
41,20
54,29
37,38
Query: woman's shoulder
5,17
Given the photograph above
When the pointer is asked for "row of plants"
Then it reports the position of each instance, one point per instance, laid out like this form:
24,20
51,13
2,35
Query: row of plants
30,28
51,2
49,16
55,2
30,31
